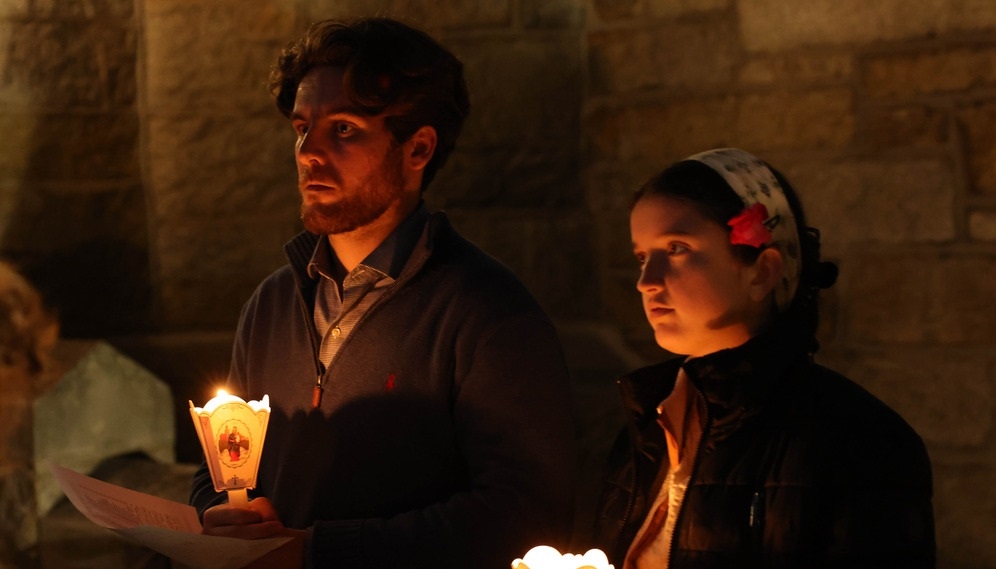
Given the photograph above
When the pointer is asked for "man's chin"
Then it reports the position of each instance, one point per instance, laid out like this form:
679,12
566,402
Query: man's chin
317,221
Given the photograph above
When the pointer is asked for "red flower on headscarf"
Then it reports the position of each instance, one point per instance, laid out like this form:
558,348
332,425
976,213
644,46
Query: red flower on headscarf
748,226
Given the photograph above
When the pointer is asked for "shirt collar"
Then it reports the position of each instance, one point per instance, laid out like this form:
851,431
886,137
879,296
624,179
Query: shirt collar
388,258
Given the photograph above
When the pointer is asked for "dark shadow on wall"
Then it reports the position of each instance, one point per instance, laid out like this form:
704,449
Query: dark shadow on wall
77,228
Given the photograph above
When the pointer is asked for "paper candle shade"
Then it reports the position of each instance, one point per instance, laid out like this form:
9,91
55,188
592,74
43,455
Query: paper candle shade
231,432
546,557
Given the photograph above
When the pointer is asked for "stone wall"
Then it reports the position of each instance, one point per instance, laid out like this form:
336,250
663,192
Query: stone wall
882,117
146,181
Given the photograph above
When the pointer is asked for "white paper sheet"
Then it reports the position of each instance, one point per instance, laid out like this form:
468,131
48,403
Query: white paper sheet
168,527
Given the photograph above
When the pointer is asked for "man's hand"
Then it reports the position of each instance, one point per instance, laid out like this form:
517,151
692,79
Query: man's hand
257,521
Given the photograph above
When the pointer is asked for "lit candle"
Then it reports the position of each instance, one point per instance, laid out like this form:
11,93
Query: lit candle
231,432
546,557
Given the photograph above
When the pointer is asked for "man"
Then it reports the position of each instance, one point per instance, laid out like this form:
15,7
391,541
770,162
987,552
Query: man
420,409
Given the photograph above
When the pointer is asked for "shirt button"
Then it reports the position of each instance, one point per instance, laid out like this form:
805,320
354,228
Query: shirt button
336,332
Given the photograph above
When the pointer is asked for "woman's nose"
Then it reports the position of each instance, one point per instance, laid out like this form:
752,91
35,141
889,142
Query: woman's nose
651,275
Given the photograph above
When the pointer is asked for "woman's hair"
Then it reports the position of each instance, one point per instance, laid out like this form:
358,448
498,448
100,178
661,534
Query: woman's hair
705,189
390,67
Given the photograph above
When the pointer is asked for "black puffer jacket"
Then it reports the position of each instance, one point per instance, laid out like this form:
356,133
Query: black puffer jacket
798,467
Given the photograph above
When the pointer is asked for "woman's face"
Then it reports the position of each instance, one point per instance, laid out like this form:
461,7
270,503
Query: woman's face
696,293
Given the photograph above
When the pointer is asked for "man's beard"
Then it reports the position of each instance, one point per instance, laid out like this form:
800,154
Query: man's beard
363,205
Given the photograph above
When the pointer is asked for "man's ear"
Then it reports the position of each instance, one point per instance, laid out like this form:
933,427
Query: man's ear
420,147
767,273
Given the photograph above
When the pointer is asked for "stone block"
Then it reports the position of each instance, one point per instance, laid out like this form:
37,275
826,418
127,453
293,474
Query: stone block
205,166
624,308
982,225
549,252
917,126
790,70
907,201
9,200
71,64
14,9
19,130
678,8
553,14
937,71
964,507
775,25
962,288
87,147
425,14
932,297
660,133
610,197
83,9
214,57
676,56
44,215
980,145
208,269
108,253
612,10
946,395
102,405
818,119
529,175
522,90
193,364
884,298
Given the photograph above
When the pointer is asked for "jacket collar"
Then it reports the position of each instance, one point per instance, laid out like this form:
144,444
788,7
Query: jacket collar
737,380
301,248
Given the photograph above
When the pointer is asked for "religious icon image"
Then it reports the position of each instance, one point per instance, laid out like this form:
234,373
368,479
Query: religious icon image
231,432
234,444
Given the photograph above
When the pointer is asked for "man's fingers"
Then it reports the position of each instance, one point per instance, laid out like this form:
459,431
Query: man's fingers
251,531
226,515
265,508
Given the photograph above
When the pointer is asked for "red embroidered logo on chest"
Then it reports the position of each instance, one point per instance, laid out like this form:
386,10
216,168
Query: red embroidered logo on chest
389,384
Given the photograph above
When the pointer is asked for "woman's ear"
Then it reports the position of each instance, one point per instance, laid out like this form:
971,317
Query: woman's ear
767,273
420,147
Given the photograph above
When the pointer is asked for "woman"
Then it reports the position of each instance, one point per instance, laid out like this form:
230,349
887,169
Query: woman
744,452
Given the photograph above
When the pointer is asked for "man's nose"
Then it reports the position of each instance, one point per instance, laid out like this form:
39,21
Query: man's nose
309,149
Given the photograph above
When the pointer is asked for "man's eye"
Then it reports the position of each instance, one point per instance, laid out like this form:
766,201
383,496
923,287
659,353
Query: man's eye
301,129
343,128
641,258
676,248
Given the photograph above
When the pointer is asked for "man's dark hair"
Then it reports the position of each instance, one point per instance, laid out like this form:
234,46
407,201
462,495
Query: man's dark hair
389,66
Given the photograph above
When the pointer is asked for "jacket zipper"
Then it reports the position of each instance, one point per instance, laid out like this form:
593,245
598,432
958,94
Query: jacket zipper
320,369
756,523
316,393
691,479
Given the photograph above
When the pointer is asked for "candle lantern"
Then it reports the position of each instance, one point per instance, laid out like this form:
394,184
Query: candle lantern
231,432
546,557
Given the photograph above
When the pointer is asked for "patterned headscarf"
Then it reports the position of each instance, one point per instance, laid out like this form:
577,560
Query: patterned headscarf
755,183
